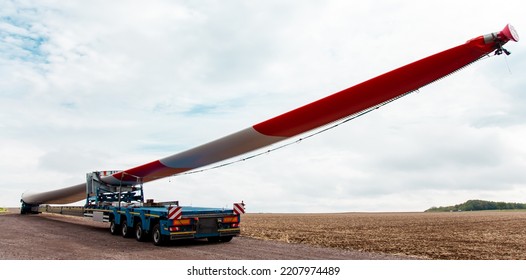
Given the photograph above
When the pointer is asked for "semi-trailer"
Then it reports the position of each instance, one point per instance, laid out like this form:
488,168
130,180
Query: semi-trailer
130,216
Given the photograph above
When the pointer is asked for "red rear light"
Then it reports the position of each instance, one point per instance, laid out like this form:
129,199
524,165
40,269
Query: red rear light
175,228
235,225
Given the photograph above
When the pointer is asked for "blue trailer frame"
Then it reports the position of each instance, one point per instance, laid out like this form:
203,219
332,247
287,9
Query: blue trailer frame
144,222
124,208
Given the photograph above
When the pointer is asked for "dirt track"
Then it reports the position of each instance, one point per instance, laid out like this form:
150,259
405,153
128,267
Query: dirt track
48,236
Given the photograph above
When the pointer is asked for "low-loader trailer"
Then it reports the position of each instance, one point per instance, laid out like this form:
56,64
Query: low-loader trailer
124,208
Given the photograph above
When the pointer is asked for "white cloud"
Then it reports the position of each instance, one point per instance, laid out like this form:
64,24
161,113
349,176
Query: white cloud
112,85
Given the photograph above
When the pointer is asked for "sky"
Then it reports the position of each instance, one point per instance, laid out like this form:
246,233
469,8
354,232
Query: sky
110,85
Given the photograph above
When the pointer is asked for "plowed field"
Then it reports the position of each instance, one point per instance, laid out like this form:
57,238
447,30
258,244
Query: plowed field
466,235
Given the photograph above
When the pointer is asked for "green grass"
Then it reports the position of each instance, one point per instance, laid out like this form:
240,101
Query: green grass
2,210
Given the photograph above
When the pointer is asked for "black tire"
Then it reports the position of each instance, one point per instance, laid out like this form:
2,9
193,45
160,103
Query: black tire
125,229
214,239
114,228
226,238
140,234
157,238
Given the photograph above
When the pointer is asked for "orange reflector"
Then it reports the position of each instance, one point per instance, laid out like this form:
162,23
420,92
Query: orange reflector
230,219
181,222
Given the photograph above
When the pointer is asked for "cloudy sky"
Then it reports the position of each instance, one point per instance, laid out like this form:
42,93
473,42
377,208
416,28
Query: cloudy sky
106,85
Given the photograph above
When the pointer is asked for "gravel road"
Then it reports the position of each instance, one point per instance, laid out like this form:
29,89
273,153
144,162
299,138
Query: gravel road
51,236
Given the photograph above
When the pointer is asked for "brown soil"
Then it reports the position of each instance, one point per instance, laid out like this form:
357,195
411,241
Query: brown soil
484,235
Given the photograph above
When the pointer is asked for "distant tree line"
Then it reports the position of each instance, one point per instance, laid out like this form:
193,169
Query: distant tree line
478,205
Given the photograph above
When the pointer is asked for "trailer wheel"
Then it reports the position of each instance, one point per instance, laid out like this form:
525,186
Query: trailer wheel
125,230
114,228
157,238
213,239
226,238
140,234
